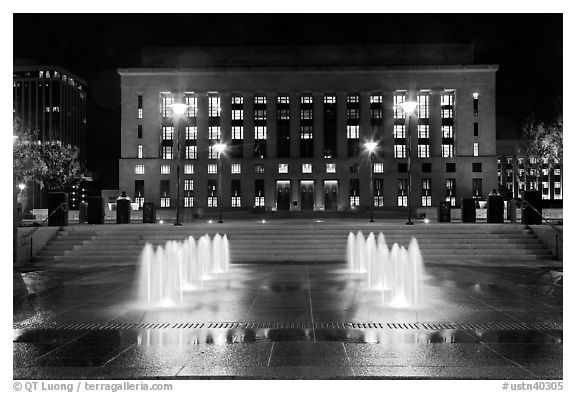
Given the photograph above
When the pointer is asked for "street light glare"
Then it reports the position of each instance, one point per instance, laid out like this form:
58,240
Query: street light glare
371,146
409,106
220,147
21,186
179,109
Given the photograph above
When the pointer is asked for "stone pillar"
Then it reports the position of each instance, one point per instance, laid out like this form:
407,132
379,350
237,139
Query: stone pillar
248,149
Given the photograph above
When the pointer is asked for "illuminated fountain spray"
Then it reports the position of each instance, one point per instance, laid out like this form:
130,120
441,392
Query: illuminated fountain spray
169,271
396,272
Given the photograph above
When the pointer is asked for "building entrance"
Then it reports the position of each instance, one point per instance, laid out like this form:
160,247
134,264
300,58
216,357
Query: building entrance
307,194
283,194
330,195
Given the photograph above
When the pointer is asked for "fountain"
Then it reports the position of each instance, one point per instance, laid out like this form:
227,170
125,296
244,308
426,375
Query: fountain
167,272
396,272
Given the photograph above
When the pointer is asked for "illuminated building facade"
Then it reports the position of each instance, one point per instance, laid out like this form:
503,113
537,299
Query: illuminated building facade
52,101
295,122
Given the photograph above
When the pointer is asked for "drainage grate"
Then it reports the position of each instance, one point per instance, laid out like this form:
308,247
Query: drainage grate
548,325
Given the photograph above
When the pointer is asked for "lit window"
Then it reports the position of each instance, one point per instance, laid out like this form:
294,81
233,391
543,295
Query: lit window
188,169
192,102
237,132
260,132
55,109
307,99
282,168
330,99
259,168
330,168
399,98
188,201
236,201
423,151
237,114
41,74
212,169
191,133
475,104
237,100
214,106
475,149
378,167
167,152
306,168
423,106
426,192
260,114
353,98
259,99
423,131
212,153
451,191
376,99
353,113
284,114
139,151
165,169
306,114
306,132
447,150
165,202
399,131
283,99
353,132
236,169
399,151
167,102
214,132
139,106
167,133
188,185
139,169
402,192
447,132
191,152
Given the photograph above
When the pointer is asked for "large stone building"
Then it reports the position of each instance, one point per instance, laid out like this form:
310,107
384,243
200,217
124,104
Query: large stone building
51,101
295,122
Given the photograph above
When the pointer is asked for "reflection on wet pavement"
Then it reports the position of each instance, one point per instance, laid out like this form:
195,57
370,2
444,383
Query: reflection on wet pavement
298,321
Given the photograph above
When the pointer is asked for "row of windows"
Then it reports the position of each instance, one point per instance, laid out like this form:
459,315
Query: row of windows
236,168
214,108
259,200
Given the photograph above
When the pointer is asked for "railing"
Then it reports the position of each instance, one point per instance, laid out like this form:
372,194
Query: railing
558,231
62,207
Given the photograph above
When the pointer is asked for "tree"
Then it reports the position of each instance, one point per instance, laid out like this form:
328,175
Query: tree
51,164
541,145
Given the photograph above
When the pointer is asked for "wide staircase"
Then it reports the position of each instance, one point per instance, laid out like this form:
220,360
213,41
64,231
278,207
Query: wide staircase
299,241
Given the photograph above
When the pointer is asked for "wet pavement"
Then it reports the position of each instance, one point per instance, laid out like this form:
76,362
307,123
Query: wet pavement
296,321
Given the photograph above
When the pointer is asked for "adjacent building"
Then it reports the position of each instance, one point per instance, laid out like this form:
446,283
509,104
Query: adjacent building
52,101
295,122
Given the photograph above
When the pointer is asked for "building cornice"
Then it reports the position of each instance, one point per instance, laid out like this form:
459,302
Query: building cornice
260,70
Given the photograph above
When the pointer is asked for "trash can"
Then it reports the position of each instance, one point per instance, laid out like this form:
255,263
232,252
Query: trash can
123,211
148,213
512,211
60,217
495,213
468,208
444,211
95,210
529,216
82,212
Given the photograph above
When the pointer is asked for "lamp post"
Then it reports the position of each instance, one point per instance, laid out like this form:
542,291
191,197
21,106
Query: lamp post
409,107
371,146
220,147
177,111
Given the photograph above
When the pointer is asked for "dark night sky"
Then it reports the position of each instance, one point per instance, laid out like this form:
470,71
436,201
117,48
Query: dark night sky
528,48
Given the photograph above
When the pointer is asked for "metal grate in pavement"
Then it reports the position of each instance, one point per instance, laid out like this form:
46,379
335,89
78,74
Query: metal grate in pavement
546,325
